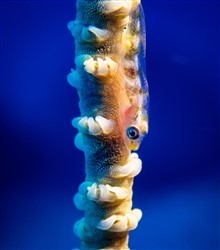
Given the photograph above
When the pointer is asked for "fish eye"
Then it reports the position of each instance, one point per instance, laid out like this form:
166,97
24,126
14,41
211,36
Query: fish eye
132,132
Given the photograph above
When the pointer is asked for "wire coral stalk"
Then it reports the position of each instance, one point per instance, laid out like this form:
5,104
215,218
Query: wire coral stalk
113,119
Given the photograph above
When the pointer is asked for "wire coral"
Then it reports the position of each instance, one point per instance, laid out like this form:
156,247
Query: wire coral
109,78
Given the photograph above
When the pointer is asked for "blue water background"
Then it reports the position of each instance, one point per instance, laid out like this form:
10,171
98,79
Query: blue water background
41,169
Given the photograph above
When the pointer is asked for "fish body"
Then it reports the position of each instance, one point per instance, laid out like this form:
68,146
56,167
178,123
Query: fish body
136,116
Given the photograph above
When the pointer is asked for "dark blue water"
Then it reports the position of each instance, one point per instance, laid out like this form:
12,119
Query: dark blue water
40,167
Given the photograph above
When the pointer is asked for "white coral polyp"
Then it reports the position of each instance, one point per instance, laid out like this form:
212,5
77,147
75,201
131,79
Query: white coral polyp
117,7
131,169
121,223
106,193
99,67
101,34
106,125
93,126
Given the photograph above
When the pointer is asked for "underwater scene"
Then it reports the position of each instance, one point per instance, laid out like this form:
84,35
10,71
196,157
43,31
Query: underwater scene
41,169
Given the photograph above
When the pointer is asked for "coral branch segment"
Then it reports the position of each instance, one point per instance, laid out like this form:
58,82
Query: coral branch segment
113,119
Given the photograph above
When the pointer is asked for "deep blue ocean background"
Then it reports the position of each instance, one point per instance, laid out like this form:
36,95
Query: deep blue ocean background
178,188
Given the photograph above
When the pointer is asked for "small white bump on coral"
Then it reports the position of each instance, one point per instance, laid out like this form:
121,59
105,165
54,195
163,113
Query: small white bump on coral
92,192
91,65
121,193
106,125
100,67
107,223
92,33
120,223
113,7
133,218
89,125
73,78
101,34
94,127
131,169
81,124
106,193
87,33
